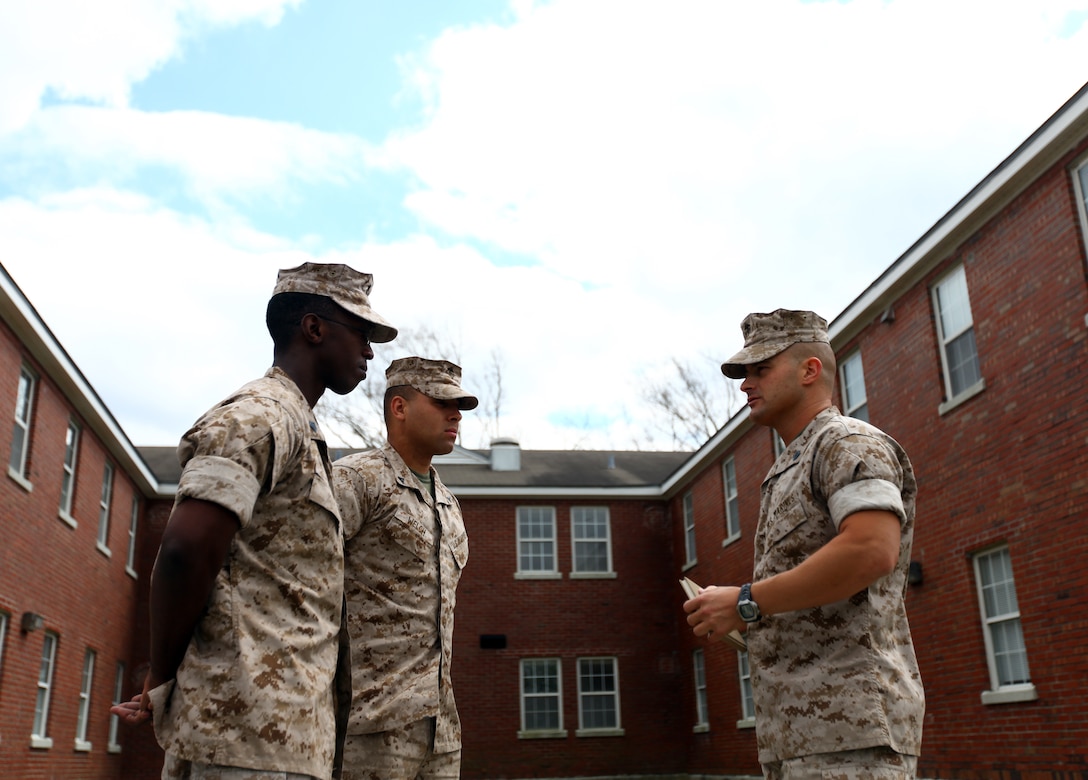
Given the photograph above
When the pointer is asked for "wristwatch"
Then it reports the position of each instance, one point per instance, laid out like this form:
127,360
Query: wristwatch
746,608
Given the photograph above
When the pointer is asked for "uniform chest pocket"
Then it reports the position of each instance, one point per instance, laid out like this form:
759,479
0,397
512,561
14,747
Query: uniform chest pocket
458,547
408,531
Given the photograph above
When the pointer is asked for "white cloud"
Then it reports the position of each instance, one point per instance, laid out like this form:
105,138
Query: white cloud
629,140
215,155
97,51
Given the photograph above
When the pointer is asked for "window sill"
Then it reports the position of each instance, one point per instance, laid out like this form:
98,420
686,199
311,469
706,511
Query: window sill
67,518
689,565
82,746
966,395
131,572
40,743
746,723
543,734
23,482
103,549
593,575
1010,694
730,539
534,575
599,733
113,748
700,728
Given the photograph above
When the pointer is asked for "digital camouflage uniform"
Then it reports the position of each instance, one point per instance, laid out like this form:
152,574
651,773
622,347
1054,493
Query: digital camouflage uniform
255,688
403,558
842,676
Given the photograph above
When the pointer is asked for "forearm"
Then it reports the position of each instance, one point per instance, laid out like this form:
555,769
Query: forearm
193,550
866,549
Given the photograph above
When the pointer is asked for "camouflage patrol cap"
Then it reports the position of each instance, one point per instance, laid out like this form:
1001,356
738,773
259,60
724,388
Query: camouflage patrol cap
346,287
439,379
765,335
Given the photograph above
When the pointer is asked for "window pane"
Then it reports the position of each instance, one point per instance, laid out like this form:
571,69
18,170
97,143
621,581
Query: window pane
536,532
963,365
953,304
597,686
589,527
1009,653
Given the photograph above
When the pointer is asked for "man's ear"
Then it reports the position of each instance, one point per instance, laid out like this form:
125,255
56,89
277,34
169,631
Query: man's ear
313,328
813,370
397,405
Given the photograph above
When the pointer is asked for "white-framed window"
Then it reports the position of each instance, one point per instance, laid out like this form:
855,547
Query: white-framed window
855,400
68,477
114,745
1080,185
83,713
747,704
732,501
598,696
1006,653
956,336
39,734
20,437
591,540
133,524
104,509
702,713
537,541
541,698
689,529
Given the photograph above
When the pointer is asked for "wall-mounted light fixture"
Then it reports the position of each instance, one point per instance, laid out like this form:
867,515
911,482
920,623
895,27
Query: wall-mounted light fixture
914,573
31,621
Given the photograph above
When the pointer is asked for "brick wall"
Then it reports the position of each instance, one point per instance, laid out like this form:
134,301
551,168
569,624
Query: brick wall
51,568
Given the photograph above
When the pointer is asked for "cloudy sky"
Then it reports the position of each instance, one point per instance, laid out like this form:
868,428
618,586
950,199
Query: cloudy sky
580,190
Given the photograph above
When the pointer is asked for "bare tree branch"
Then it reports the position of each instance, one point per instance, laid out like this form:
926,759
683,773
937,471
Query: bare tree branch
687,407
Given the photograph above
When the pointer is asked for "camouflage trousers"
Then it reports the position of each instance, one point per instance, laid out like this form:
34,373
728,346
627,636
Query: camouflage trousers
405,753
879,763
174,768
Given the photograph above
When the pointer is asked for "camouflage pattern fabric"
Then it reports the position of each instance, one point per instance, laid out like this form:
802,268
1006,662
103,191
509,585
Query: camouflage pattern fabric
843,676
255,688
403,556
765,335
403,753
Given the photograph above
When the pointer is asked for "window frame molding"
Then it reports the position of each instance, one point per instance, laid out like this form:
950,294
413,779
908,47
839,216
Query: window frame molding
43,698
606,574
21,476
951,400
83,710
68,473
744,680
105,504
848,408
606,731
113,744
543,574
998,693
687,507
554,733
702,699
133,527
729,464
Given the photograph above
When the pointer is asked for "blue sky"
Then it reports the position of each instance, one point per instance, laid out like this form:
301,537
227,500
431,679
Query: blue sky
586,189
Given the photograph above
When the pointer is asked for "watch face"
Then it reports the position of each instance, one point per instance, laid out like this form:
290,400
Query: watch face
748,611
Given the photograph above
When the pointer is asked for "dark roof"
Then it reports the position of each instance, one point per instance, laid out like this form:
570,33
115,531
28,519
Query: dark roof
539,468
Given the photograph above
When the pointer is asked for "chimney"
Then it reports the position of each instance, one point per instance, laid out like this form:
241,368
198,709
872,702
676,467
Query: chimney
505,455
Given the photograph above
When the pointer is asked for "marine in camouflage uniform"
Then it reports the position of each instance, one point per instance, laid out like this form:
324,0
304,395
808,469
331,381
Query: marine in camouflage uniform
242,681
835,684
405,548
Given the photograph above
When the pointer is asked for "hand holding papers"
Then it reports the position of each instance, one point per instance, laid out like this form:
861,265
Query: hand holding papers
734,638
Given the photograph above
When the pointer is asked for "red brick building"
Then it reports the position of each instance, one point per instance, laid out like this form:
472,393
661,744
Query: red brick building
572,658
